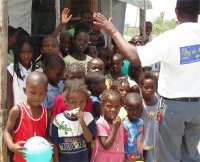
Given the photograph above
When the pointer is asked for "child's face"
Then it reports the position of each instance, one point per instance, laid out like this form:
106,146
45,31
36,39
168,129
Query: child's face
50,46
116,64
76,74
92,51
36,93
26,55
124,89
134,109
111,107
96,66
81,41
148,88
54,74
65,44
77,100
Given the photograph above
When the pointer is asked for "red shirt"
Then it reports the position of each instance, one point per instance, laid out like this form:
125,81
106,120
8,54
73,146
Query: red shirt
29,127
59,106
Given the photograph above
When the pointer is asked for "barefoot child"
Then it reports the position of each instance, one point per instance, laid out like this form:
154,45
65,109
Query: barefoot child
74,128
28,118
109,145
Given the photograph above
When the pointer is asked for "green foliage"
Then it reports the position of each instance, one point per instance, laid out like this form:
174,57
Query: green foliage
130,31
160,25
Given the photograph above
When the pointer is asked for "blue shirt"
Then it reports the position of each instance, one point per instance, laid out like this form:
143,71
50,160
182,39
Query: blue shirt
133,142
52,92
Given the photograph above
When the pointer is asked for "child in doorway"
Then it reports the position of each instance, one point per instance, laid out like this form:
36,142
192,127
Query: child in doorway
74,128
133,127
109,145
28,118
24,64
148,88
54,66
96,85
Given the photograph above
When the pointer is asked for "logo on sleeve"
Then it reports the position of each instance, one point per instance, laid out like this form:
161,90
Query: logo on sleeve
190,54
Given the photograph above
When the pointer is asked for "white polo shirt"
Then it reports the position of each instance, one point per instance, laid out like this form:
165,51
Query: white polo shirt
179,53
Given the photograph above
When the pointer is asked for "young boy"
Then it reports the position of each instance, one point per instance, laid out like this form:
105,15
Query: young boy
28,118
133,127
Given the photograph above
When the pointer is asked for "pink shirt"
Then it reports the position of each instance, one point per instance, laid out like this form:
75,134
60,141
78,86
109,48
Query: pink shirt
116,152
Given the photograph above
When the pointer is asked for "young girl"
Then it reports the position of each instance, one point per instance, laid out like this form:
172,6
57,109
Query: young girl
109,145
28,118
148,88
24,63
79,43
73,71
74,128
122,85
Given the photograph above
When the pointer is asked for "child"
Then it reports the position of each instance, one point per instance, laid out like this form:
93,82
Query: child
96,85
104,55
80,43
54,66
109,145
133,127
96,65
148,88
65,43
24,63
28,118
92,51
116,64
73,129
73,71
122,85
134,73
49,46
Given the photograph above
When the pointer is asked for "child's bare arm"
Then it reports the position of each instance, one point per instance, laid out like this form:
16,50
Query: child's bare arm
65,18
9,129
55,154
86,132
107,142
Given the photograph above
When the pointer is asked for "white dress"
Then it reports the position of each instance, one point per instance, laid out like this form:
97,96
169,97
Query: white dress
18,84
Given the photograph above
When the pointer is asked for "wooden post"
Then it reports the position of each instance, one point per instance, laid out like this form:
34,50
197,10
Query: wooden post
143,18
3,74
109,15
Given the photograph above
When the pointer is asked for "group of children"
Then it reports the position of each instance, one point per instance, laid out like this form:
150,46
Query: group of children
75,100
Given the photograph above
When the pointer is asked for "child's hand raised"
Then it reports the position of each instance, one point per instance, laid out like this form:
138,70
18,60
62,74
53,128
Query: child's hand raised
65,17
18,148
